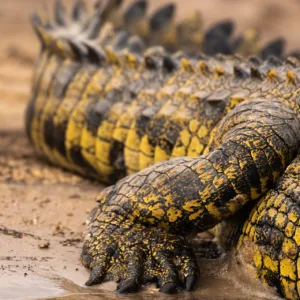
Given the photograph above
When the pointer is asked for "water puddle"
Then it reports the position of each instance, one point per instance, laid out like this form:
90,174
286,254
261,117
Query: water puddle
21,287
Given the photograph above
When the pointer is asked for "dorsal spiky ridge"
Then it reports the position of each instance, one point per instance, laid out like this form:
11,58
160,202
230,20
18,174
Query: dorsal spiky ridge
97,39
79,34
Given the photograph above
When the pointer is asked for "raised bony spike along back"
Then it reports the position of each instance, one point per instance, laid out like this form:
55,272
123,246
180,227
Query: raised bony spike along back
160,28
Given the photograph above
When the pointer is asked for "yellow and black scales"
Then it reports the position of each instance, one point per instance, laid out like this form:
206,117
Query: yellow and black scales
199,137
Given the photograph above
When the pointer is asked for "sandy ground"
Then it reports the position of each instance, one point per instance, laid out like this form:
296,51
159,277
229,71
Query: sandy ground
42,208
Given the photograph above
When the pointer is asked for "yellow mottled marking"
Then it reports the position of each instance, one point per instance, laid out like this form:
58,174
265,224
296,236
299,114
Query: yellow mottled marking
88,146
293,217
202,132
280,220
289,229
291,77
234,101
290,248
203,66
160,154
254,193
195,148
185,137
191,205
195,215
297,236
257,259
252,233
174,214
187,65
194,125
272,212
218,181
219,72
272,75
157,211
289,289
112,56
278,201
271,264
234,204
146,155
214,211
288,268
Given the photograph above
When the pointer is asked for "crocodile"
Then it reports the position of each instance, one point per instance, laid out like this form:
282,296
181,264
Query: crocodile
188,140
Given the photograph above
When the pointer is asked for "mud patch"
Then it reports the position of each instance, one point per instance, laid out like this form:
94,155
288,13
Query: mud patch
17,287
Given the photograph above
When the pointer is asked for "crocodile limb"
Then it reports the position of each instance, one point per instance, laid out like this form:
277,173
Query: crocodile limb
138,217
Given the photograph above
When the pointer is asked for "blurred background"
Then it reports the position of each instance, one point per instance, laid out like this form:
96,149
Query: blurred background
19,47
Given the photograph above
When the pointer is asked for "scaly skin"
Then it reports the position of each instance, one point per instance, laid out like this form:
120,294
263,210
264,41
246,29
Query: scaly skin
188,195
272,230
228,128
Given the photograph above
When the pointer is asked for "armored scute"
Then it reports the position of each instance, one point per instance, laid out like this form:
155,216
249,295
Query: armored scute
199,140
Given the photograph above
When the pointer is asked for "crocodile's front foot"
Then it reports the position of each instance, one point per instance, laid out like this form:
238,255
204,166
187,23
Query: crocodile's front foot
121,249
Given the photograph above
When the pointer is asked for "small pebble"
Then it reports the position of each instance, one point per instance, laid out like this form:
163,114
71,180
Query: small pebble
44,245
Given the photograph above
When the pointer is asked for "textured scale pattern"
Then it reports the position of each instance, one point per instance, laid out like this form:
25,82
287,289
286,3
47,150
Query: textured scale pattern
198,136
273,226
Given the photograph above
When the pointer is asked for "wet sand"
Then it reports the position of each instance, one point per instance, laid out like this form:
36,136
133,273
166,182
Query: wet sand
43,208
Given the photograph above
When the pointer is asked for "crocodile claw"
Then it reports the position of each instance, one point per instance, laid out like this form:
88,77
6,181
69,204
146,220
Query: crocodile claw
133,254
